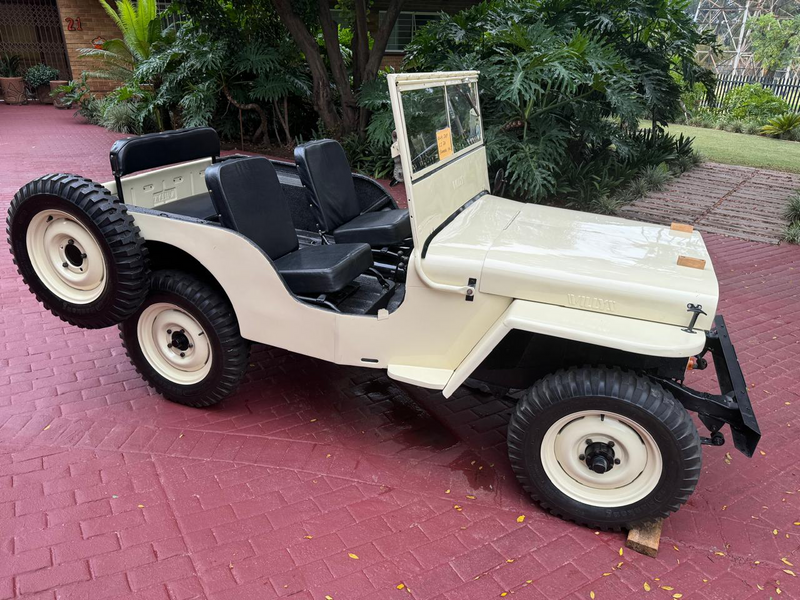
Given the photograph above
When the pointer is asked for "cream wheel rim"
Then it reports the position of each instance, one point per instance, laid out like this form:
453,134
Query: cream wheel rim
66,257
174,343
634,458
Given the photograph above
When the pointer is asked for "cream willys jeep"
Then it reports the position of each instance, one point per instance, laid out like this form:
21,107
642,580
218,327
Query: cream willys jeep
598,318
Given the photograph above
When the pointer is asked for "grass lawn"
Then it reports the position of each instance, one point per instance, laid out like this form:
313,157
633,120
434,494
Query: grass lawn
740,149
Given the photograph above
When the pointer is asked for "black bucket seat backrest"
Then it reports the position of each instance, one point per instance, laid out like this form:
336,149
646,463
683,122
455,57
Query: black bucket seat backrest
160,149
248,196
324,170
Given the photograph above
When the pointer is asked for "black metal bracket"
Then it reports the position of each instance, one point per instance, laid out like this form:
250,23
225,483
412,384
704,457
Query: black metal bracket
470,297
732,405
696,310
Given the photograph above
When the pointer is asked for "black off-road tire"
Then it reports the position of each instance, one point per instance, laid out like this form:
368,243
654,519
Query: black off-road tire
107,219
605,389
209,307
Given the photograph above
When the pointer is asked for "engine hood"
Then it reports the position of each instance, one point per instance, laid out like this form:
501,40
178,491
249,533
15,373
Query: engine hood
578,260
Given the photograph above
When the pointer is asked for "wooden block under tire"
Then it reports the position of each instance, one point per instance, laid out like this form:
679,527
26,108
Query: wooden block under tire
645,538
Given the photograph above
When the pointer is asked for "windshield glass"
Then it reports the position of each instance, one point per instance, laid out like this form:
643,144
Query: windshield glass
440,121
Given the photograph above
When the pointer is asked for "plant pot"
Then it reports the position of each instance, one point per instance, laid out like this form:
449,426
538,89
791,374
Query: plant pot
13,90
58,101
43,94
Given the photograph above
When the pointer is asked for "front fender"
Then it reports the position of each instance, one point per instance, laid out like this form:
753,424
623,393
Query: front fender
611,331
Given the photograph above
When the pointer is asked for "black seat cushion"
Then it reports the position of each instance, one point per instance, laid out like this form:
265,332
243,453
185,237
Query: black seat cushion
324,269
379,228
248,196
324,170
198,206
165,148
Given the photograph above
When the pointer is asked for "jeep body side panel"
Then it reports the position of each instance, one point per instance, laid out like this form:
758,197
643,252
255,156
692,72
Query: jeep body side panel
430,329
611,331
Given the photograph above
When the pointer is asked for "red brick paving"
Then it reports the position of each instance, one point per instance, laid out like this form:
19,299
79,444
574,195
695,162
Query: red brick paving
107,490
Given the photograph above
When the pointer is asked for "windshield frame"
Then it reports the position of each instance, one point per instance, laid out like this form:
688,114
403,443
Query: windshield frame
471,78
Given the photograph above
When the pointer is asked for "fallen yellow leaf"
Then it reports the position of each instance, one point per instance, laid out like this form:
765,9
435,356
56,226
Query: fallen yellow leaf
520,518
676,596
471,497
308,537
141,505
675,548
797,522
46,428
606,574
760,587
313,420
447,491
667,587
400,586
509,560
503,594
328,597
786,562
718,553
789,572
591,595
621,551
353,556
774,532
646,587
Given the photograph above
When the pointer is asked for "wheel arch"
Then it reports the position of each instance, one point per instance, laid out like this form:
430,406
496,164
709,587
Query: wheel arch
532,339
163,255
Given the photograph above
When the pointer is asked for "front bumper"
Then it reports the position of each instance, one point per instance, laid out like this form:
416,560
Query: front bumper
732,405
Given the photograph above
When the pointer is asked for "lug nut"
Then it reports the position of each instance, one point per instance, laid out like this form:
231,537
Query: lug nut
191,346
183,354
582,457
50,218
83,254
588,442
70,242
169,345
616,461
610,444
65,265
169,331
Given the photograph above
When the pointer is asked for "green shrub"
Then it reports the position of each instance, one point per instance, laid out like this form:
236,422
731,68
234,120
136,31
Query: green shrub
640,187
781,125
792,211
656,176
753,101
39,75
9,65
751,128
792,233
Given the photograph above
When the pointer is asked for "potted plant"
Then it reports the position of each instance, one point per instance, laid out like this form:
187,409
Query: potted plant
11,84
38,78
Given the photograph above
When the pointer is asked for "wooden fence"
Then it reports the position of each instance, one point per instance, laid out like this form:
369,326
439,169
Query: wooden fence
788,89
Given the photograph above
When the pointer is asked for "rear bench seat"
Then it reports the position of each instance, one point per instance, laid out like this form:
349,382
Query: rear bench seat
155,150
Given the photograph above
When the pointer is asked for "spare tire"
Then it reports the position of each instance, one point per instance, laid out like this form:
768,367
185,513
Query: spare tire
78,250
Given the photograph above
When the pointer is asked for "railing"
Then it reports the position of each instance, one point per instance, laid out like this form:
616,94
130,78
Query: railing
788,89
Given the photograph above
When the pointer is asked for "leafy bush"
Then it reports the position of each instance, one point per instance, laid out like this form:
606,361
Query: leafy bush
792,211
77,92
753,101
563,86
9,65
656,176
39,75
781,125
792,233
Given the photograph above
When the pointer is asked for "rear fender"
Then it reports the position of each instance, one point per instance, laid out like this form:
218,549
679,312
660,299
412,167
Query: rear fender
610,331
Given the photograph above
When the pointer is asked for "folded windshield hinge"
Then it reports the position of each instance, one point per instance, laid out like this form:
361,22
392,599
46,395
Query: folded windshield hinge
696,310
471,289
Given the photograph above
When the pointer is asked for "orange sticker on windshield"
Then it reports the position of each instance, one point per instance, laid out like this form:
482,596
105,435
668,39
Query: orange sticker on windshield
445,142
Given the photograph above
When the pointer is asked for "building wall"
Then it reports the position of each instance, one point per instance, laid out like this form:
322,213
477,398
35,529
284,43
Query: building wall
94,23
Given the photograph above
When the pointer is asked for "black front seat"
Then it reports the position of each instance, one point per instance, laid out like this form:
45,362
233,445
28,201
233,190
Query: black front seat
249,198
324,170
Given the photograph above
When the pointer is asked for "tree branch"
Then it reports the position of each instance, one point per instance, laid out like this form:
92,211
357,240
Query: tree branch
382,39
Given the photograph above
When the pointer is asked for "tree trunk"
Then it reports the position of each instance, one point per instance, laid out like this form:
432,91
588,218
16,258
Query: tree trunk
321,94
261,136
330,33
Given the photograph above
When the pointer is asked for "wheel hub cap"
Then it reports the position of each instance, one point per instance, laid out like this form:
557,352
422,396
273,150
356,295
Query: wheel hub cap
601,458
174,343
66,256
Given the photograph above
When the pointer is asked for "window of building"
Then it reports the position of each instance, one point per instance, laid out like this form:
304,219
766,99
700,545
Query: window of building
408,23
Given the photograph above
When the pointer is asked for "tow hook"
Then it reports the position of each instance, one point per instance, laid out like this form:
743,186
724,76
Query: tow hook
716,439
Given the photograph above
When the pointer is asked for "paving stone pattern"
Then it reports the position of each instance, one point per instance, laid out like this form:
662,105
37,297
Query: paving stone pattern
316,481
735,201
